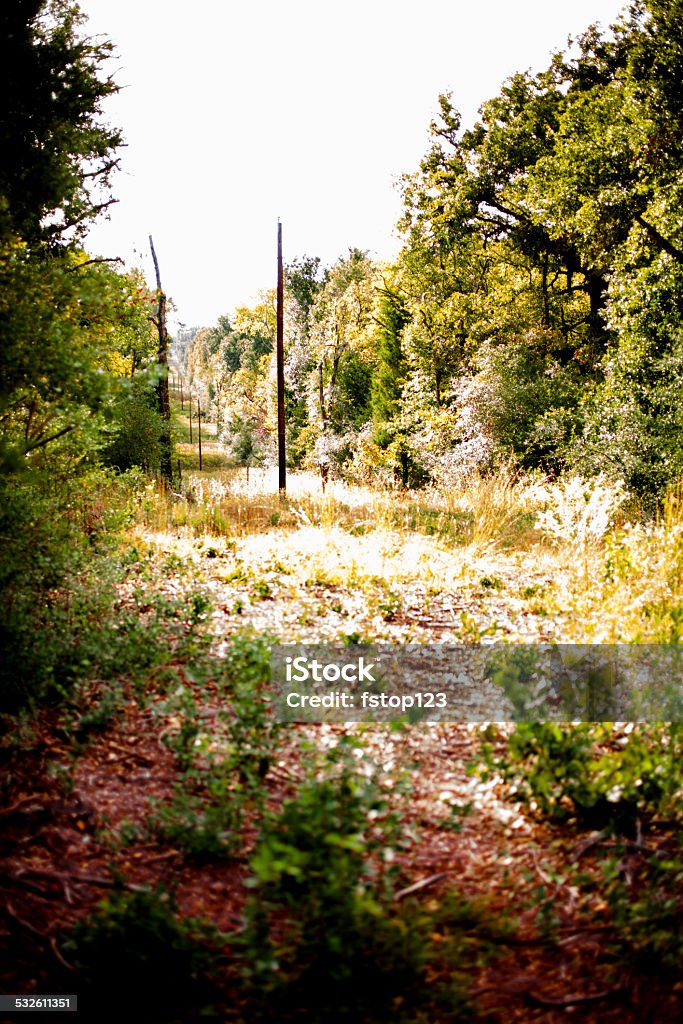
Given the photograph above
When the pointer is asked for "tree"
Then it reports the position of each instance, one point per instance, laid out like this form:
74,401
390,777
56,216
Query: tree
389,375
341,320
243,442
60,326
542,257
56,155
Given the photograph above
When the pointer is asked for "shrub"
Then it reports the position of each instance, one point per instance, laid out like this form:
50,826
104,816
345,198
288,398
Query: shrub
137,430
136,951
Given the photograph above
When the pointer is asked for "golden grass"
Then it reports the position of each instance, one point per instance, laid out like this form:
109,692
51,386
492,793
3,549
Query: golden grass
522,558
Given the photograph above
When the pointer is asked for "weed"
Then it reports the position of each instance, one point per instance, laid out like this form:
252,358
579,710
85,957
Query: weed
588,773
200,824
647,920
137,950
324,940
454,821
390,605
97,716
262,591
63,775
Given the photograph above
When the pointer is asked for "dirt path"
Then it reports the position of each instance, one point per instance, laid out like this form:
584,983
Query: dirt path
336,575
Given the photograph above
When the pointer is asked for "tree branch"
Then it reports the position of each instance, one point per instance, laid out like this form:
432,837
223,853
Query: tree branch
109,166
97,259
41,442
659,239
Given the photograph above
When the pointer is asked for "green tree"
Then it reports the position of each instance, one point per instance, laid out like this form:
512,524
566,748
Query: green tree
63,337
242,441
56,154
390,372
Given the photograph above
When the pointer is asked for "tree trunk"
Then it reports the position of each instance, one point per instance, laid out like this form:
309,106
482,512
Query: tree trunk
544,290
596,287
163,397
321,394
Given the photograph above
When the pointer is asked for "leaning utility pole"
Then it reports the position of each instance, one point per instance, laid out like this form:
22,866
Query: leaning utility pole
163,397
280,354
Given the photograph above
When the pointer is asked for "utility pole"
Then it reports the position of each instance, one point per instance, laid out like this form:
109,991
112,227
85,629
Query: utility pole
163,396
199,431
280,355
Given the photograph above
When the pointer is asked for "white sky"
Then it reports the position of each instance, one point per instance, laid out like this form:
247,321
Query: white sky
235,113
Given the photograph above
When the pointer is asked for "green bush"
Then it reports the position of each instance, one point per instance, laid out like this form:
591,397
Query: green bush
526,401
137,429
591,774
137,958
325,940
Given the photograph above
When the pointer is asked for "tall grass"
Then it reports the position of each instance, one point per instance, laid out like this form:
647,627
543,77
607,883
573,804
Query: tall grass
607,574
485,510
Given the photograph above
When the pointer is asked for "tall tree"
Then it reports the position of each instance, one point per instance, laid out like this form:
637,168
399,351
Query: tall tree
56,154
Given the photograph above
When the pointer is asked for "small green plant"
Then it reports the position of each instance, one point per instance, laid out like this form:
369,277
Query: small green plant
200,824
97,715
647,921
140,952
325,938
453,822
390,605
587,773
183,708
262,591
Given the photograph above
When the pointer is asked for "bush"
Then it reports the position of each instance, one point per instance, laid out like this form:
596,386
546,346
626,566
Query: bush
589,773
524,402
137,429
136,952
326,941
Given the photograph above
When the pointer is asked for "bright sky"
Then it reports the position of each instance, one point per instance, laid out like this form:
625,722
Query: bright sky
237,112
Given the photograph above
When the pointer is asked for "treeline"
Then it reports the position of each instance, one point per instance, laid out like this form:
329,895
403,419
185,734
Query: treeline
534,312
78,380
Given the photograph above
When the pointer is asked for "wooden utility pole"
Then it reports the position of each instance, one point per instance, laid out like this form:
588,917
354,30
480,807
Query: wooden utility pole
163,397
280,354
199,431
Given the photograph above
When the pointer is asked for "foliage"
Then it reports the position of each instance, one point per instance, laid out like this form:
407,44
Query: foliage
592,774
242,442
138,950
322,942
533,314
82,630
224,768
50,126
72,328
647,922
136,429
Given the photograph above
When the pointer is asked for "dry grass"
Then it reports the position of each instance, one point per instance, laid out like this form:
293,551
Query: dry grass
511,559
495,510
